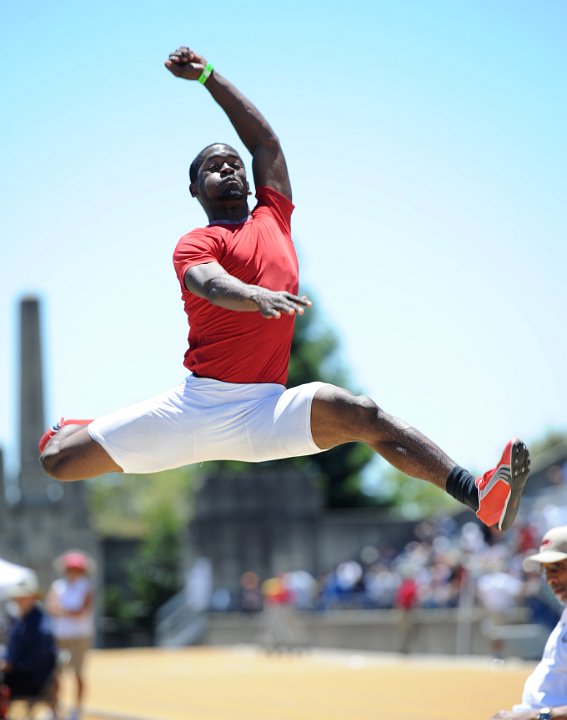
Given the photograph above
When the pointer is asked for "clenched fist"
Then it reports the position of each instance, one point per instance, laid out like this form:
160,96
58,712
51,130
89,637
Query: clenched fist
185,63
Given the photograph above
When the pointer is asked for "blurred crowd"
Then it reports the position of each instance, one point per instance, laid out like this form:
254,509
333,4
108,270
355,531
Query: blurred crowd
446,565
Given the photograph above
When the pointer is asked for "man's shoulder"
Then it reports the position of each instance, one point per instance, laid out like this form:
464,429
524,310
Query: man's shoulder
208,232
199,232
199,239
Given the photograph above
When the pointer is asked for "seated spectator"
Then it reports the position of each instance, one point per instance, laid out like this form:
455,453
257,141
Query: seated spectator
30,656
545,690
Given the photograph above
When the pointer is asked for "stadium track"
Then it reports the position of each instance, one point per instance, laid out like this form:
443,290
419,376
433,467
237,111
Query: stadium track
244,683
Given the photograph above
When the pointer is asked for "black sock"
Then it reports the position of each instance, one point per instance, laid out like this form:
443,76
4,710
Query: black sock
460,484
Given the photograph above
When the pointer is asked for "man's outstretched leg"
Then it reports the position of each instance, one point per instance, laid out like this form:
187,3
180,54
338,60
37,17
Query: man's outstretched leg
339,417
67,452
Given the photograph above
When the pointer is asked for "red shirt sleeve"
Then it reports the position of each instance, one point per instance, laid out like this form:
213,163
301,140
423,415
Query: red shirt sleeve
199,246
205,245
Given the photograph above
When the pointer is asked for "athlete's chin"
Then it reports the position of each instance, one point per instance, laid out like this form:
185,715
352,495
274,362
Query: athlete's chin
231,193
560,594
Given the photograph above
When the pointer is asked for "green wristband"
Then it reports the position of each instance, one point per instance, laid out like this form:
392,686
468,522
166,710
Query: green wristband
208,69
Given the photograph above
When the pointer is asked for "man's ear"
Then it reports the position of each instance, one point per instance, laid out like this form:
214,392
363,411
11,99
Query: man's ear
249,192
193,189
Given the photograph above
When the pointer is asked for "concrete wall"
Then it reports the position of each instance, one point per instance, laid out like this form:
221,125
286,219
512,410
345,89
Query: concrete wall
342,534
271,521
433,632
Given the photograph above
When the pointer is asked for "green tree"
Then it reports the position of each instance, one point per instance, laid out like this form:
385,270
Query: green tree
154,574
153,508
547,442
125,505
411,498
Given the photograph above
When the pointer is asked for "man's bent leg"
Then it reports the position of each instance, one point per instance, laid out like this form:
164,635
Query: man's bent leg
73,455
338,416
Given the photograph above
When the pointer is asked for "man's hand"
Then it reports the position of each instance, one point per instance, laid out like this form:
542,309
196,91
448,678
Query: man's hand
268,161
185,63
273,304
520,715
212,282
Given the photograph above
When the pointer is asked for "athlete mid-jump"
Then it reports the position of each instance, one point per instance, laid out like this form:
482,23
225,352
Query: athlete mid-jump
239,284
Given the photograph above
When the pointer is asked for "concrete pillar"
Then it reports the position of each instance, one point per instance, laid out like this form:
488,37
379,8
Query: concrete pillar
49,517
35,514
32,479
4,517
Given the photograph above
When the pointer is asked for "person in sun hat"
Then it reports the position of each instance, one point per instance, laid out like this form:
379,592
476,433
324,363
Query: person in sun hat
545,691
239,282
70,601
30,657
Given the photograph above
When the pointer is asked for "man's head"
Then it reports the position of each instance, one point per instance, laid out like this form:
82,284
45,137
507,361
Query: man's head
25,592
218,177
552,556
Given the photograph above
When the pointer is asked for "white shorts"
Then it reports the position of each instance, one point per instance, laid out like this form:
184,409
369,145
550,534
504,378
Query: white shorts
204,419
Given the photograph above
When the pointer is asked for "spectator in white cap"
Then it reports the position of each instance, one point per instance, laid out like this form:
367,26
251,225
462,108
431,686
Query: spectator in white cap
545,690
29,659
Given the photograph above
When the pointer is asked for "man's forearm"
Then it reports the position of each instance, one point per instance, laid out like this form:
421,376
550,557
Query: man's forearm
209,281
228,292
251,126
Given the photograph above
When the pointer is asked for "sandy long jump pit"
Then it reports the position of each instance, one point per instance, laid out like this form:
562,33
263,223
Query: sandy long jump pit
244,683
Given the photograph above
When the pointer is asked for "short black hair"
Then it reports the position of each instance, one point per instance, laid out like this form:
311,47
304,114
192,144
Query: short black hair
198,161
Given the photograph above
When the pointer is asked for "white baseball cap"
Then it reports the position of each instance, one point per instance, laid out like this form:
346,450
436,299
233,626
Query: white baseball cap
553,547
26,586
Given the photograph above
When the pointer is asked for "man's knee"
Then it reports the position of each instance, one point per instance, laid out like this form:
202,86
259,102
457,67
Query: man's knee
366,411
55,463
76,456
338,416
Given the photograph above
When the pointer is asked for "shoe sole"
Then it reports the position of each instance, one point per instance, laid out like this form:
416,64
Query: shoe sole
519,471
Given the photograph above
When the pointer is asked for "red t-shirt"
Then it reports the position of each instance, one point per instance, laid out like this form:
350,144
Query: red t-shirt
242,347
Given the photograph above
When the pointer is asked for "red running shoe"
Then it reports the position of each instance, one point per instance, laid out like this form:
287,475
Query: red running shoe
500,489
54,429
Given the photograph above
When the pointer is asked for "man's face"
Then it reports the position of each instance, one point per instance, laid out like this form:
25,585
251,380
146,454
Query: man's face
221,176
556,576
25,604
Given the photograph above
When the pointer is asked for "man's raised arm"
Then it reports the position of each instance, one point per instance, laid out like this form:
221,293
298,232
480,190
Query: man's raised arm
268,162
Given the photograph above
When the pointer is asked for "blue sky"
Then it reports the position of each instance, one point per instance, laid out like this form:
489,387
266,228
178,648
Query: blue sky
427,149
